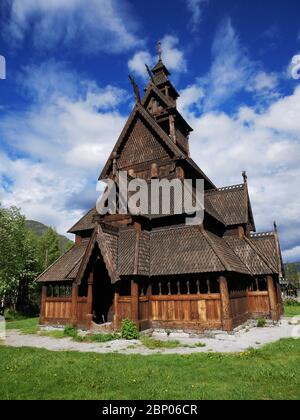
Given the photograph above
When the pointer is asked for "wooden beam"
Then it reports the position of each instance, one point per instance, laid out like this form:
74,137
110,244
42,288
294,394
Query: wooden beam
89,315
43,304
74,304
272,299
135,302
116,309
225,301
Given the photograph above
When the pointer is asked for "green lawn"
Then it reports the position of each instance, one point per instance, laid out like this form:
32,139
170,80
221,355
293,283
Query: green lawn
270,373
26,326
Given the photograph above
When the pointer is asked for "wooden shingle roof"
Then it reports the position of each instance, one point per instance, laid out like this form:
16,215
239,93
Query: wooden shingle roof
85,223
67,266
231,204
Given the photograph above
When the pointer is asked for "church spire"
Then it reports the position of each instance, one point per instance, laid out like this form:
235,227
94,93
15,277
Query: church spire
159,50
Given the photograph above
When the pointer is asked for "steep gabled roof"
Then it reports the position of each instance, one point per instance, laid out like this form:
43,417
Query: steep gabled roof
232,204
107,248
67,266
256,262
85,223
140,112
268,245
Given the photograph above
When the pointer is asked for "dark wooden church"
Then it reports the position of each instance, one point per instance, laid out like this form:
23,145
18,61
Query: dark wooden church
158,271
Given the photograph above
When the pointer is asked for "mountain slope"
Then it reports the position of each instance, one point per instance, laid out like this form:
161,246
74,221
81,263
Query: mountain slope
39,229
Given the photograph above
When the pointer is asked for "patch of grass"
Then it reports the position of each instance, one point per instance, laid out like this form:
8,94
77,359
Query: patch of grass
270,373
152,344
103,338
292,310
25,326
53,334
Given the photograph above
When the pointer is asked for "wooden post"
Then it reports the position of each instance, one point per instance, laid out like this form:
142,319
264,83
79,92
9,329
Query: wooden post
272,298
225,302
116,309
74,304
135,302
43,304
280,302
89,315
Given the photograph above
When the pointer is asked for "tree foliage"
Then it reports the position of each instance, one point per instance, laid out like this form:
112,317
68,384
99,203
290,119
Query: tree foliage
292,274
23,256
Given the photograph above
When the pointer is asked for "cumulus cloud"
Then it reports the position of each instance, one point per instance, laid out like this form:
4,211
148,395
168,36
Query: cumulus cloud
57,147
102,25
232,72
173,58
196,7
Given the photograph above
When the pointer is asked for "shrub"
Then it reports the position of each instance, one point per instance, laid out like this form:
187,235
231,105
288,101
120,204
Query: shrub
129,330
70,331
291,302
261,323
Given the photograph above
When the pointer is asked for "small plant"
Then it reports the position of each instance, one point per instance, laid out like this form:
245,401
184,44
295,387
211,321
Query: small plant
129,330
70,331
261,323
201,345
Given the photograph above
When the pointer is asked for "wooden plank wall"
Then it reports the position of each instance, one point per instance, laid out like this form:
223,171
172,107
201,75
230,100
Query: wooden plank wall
186,311
124,307
82,306
258,303
58,310
239,307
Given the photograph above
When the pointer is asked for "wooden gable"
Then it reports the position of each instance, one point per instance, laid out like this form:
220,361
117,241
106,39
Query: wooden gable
142,145
142,140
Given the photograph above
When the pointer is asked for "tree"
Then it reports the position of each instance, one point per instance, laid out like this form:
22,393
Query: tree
18,263
49,250
292,275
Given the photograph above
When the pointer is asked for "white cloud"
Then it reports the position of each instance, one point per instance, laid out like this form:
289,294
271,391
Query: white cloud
263,81
57,147
189,96
137,63
196,9
294,67
100,25
173,58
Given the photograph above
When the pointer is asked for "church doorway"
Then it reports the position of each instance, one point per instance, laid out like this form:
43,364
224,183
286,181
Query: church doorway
103,294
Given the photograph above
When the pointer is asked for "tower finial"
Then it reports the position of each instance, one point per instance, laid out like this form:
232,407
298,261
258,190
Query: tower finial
149,73
159,50
275,227
135,89
245,176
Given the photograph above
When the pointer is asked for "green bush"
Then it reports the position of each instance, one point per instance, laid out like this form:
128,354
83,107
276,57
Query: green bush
11,315
261,323
70,331
291,302
129,330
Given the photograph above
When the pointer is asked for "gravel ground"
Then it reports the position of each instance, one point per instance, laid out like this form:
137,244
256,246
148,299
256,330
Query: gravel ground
220,342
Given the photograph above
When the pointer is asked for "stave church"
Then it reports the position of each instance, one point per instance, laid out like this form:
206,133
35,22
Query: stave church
156,270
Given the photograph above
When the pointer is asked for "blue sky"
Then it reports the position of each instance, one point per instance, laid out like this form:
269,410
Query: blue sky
66,97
